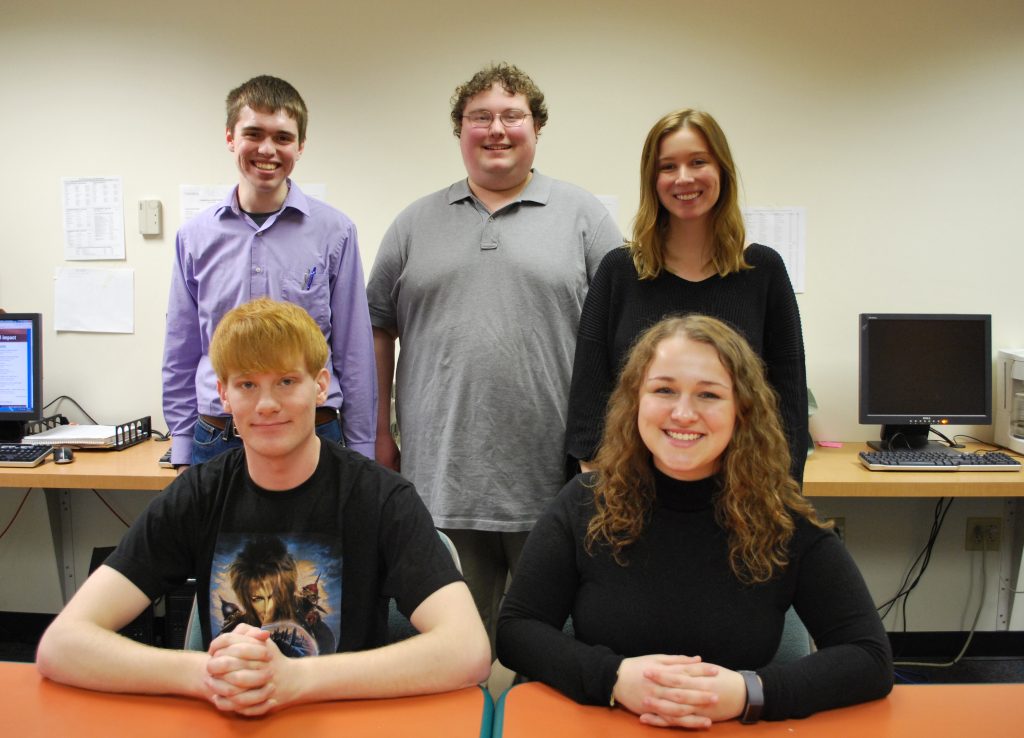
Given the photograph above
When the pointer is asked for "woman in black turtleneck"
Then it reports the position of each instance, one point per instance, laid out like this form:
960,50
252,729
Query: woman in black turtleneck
679,556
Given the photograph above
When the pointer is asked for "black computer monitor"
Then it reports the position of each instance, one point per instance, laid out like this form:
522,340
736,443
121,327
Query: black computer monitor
917,371
21,372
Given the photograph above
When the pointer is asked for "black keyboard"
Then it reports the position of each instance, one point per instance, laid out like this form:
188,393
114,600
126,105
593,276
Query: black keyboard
23,454
937,461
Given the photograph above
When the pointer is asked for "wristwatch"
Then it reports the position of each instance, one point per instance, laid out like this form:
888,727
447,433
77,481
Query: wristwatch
755,698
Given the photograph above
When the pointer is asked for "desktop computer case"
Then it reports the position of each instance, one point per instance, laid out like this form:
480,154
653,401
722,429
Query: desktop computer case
1009,420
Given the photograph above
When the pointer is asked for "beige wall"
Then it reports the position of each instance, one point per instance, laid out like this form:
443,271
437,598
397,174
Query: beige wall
897,125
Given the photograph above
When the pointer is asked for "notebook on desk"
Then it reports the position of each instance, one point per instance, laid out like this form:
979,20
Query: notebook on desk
96,436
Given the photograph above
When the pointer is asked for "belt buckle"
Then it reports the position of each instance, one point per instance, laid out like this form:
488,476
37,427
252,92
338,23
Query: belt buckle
229,431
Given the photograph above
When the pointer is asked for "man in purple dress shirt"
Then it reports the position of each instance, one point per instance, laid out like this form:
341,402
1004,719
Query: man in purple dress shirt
266,239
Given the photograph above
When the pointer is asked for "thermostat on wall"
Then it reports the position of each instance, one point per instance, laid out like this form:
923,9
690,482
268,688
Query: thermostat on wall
149,217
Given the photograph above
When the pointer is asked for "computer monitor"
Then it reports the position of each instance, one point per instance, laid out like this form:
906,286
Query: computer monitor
917,371
21,372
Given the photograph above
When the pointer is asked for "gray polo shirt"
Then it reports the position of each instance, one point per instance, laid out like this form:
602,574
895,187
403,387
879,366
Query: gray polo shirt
486,306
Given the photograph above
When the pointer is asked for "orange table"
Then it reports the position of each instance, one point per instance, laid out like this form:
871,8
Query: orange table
932,711
33,707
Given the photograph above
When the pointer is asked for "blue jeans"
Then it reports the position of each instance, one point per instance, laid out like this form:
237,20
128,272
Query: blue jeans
208,441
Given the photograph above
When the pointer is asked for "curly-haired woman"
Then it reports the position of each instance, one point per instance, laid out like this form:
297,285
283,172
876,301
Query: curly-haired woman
679,555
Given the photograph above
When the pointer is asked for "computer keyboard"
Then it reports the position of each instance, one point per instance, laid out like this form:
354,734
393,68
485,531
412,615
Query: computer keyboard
937,461
23,454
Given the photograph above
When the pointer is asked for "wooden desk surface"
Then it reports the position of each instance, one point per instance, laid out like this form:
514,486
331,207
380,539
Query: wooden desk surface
31,706
924,711
133,468
837,472
830,472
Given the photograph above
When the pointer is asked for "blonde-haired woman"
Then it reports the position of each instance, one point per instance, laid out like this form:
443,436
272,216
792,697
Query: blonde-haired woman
687,255
678,557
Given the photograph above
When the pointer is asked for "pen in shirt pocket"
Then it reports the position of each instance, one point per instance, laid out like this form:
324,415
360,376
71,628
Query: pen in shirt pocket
309,278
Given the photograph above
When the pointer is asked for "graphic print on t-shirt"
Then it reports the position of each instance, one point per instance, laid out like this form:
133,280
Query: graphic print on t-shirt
287,585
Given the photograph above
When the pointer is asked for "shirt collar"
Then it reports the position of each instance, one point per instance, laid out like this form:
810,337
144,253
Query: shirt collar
537,190
295,198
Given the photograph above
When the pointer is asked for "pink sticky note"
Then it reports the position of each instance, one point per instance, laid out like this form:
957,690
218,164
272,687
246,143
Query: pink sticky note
830,444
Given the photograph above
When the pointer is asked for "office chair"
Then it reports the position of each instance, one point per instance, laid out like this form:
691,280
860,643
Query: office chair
796,641
399,627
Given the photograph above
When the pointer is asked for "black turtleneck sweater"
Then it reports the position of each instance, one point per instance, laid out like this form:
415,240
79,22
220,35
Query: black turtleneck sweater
677,595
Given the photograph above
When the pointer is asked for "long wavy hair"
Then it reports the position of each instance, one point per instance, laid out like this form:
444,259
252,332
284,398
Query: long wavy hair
757,497
651,221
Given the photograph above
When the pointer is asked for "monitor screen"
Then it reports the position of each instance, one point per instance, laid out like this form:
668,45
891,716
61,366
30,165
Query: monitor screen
21,371
917,371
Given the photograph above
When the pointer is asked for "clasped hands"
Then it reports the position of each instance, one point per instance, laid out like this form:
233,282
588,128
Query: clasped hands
679,691
246,673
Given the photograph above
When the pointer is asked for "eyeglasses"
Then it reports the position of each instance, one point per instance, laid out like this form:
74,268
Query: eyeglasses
484,118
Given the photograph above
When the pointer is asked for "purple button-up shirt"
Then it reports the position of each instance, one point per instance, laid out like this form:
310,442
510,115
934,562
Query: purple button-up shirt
224,259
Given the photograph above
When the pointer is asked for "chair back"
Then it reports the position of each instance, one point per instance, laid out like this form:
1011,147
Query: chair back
399,627
796,641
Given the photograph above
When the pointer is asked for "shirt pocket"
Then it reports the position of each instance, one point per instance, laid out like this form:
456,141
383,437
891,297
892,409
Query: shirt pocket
316,300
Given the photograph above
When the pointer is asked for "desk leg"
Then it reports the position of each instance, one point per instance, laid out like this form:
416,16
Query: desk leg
58,506
1011,601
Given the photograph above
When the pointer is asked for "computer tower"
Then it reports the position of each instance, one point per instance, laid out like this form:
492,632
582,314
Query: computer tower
177,612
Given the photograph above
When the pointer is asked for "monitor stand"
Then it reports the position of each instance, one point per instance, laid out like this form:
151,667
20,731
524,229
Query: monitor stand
908,437
11,431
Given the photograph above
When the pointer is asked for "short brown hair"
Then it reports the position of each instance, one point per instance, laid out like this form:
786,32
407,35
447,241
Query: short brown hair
267,94
262,336
512,79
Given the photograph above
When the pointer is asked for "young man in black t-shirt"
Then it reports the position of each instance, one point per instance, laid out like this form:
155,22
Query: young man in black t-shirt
296,545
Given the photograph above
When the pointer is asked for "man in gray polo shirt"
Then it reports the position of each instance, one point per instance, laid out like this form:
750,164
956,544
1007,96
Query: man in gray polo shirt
483,283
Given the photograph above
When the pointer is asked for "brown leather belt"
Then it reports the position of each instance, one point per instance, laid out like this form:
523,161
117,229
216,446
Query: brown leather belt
323,415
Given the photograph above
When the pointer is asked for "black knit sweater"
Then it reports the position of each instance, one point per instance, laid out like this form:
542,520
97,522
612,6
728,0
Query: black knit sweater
758,302
677,595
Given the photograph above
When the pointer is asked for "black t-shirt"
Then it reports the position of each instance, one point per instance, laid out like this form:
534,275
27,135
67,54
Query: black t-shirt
315,564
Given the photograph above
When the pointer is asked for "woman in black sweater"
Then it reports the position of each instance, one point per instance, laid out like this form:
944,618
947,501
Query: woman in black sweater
678,557
687,255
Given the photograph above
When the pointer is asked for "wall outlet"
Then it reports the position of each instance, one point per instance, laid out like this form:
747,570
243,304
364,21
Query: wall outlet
983,534
839,527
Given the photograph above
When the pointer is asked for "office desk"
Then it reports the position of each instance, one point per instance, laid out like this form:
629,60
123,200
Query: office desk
134,468
31,707
837,472
933,711
830,472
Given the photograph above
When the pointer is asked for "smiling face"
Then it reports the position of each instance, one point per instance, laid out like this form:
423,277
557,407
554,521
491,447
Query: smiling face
266,147
274,411
498,158
689,177
687,408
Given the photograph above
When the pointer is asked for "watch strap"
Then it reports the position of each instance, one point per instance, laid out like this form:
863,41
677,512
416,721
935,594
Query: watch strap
755,698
